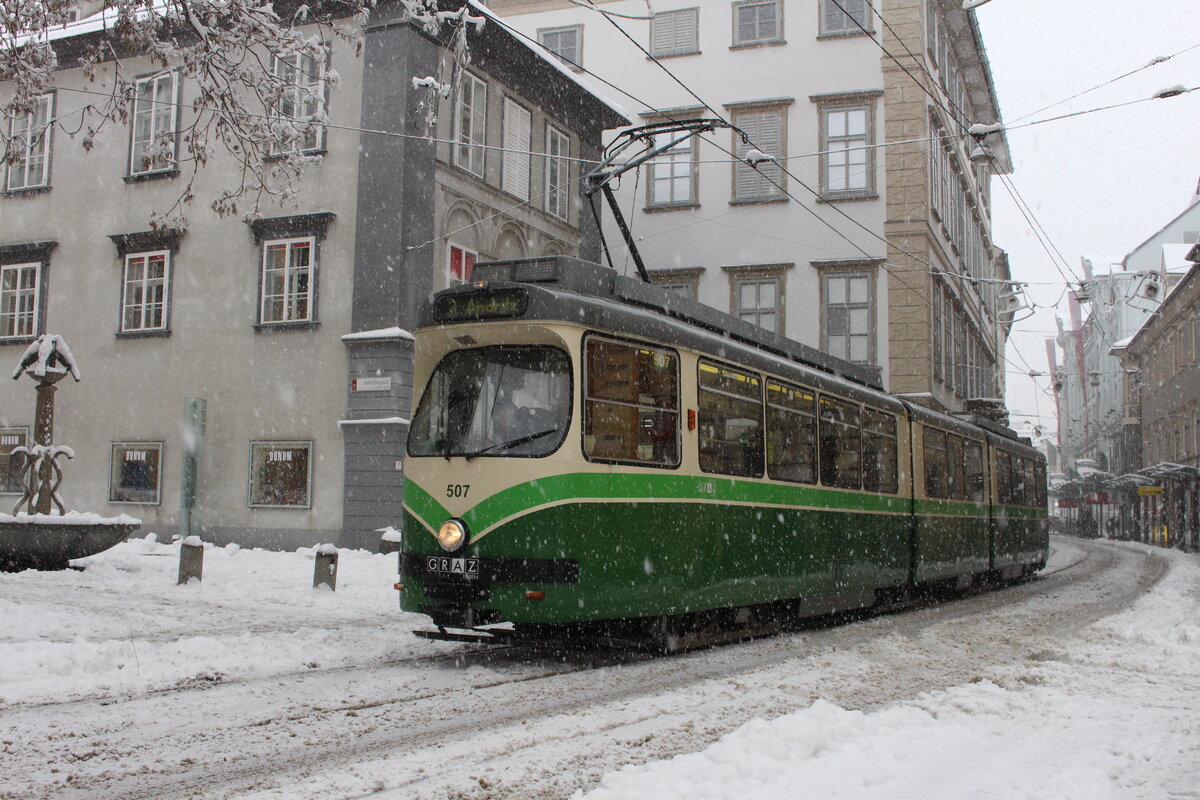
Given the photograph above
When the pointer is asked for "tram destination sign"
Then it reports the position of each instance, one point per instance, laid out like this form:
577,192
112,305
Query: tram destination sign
473,306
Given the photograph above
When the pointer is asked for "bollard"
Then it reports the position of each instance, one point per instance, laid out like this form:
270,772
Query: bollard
325,570
191,560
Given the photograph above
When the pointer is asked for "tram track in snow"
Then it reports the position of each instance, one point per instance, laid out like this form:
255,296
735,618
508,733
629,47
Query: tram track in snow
403,719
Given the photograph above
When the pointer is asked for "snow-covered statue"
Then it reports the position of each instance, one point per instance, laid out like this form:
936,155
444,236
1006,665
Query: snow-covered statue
47,360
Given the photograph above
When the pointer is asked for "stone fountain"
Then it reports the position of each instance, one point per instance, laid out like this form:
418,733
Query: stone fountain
34,536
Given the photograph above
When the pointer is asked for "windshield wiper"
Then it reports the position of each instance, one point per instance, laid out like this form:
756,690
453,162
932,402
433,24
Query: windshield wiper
520,440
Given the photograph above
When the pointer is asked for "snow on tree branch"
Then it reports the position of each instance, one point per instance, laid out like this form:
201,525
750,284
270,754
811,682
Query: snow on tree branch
255,79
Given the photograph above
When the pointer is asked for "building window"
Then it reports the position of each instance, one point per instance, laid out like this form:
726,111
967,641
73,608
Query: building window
281,474
673,176
932,37
29,137
840,17
675,33
287,278
757,295
462,261
470,121
20,300
144,297
518,132
135,472
757,22
155,124
302,103
847,153
848,311
558,172
758,301
566,43
935,324
288,267
685,281
10,465
766,130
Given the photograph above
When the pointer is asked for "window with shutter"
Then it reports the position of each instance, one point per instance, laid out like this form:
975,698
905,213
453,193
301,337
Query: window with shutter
514,178
675,33
765,130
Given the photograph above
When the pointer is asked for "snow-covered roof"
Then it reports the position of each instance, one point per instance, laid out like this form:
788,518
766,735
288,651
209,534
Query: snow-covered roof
554,61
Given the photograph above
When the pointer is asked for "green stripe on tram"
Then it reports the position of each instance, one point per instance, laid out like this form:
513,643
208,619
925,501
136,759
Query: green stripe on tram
586,487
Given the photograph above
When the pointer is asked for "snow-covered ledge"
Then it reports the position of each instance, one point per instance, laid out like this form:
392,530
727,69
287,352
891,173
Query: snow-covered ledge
382,334
373,421
70,518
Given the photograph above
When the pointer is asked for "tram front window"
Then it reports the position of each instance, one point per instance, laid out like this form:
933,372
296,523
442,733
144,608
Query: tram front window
494,401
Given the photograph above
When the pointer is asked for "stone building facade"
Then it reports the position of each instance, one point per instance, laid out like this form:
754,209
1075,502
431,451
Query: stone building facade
294,327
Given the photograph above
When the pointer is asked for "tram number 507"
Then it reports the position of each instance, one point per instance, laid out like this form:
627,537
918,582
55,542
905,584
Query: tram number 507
457,489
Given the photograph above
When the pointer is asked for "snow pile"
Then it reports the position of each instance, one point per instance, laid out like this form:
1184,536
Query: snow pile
1098,720
123,625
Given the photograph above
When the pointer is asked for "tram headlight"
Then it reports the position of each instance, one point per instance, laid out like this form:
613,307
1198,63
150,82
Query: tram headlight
452,535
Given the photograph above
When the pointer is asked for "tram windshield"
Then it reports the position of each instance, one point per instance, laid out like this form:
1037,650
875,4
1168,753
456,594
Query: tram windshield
494,401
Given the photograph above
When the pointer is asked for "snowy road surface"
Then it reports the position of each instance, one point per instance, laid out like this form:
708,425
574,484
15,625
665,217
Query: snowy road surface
115,683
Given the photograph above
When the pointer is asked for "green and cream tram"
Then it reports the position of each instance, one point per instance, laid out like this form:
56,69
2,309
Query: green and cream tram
592,456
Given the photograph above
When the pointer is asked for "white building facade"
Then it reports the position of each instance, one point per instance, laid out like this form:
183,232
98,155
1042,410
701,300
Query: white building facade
869,234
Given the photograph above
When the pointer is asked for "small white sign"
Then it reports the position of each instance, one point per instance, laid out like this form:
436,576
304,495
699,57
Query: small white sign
371,384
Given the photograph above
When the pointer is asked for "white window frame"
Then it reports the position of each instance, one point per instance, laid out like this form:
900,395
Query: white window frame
766,125
280,447
675,169
453,279
758,38
831,301
759,277
289,295
303,101
546,36
143,287
844,151
675,32
20,302
130,451
30,134
470,125
558,172
156,103
845,26
517,143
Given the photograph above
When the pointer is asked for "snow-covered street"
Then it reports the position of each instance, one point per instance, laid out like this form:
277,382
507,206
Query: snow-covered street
116,683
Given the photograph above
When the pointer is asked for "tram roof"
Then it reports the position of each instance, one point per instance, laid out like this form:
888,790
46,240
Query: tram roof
572,290
601,282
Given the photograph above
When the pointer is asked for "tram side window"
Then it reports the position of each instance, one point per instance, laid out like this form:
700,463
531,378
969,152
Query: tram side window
956,488
880,457
841,444
791,433
1004,478
1019,482
631,404
936,466
730,421
973,456
1029,497
1039,484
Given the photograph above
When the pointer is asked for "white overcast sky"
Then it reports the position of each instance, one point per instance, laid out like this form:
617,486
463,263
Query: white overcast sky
1100,183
